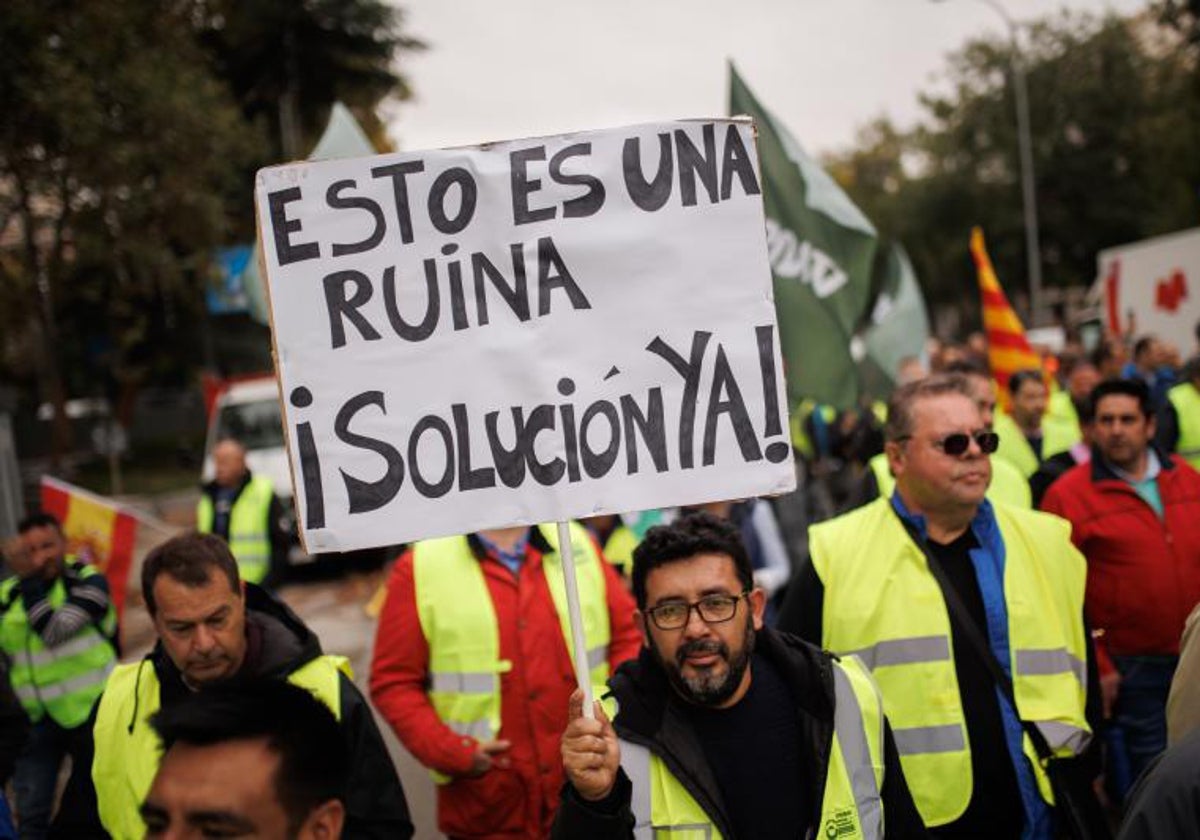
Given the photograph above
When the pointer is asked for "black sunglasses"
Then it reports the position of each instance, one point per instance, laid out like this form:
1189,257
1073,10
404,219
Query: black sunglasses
958,443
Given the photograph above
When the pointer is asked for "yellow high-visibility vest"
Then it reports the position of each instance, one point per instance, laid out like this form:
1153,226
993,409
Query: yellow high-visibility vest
883,604
459,622
1060,408
1186,400
851,807
127,749
249,538
1008,485
63,681
1057,436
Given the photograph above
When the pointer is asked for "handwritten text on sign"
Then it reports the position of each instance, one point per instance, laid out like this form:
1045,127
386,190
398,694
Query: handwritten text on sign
524,332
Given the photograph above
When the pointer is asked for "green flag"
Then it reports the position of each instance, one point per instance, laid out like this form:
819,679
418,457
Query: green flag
821,249
899,326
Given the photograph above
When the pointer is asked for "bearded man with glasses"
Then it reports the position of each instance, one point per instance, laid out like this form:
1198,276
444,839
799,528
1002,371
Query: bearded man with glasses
905,582
722,728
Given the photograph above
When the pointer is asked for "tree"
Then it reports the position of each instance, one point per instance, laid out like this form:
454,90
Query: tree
288,61
116,145
131,133
1115,114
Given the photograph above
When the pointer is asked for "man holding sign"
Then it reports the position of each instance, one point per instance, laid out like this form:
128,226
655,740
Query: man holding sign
586,323
723,725
472,668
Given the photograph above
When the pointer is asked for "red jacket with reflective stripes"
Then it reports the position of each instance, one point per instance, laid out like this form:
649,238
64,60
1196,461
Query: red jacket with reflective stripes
517,798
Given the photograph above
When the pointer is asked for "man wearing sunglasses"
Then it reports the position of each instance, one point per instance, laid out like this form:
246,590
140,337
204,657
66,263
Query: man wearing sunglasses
726,728
1008,484
870,589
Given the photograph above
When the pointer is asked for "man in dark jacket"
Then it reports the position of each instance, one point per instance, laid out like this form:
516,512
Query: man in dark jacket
724,725
213,629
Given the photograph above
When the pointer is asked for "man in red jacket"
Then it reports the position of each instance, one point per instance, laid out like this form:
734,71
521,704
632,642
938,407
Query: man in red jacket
473,670
1135,514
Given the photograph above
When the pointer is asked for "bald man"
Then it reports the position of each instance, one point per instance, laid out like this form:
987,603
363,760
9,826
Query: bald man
243,510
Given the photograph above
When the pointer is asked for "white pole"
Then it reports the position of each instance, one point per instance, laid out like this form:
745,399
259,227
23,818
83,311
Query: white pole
579,643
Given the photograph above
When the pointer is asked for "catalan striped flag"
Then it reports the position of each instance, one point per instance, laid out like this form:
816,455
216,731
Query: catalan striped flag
98,532
1008,349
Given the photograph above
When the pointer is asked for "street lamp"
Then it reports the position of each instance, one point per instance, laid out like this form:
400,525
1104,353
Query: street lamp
1025,150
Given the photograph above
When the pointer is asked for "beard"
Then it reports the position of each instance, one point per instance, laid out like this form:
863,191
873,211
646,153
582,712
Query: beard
714,685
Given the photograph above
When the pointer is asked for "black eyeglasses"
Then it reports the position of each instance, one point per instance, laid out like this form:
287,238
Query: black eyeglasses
958,443
713,609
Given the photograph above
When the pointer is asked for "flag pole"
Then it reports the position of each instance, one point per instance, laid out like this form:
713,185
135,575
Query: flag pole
579,644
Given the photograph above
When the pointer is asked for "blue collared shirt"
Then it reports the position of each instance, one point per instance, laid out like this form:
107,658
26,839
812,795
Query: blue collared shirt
513,559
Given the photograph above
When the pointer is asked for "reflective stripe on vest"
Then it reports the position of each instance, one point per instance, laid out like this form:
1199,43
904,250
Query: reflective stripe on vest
249,539
459,623
127,750
62,681
1008,485
1186,400
902,632
851,808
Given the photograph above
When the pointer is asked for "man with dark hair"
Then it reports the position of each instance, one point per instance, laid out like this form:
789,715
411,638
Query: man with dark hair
726,728
215,629
263,758
870,588
58,629
1135,515
1066,405
1056,466
1110,357
1150,364
1027,435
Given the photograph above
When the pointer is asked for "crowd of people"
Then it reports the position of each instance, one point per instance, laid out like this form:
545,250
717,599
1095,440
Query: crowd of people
976,618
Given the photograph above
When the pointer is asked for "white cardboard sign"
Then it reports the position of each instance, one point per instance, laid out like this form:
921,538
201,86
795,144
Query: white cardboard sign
524,332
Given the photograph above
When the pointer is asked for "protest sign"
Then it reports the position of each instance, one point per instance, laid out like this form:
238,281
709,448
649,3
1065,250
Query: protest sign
524,332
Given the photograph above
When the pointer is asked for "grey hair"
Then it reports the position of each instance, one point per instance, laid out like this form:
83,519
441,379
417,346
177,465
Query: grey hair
900,407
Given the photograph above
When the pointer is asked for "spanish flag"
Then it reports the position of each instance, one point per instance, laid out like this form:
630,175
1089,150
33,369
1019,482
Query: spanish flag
1008,349
98,532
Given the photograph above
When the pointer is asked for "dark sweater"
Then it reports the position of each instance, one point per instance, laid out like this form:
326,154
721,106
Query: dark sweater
762,785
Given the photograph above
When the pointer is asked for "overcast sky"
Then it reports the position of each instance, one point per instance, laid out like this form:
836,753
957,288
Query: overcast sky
503,69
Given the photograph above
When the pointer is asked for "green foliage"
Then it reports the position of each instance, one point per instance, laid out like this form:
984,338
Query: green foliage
317,51
131,132
114,151
1115,114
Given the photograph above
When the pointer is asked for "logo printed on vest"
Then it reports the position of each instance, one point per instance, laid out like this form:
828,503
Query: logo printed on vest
841,824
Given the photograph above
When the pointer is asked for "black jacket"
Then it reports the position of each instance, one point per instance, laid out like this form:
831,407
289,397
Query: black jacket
278,643
1165,803
651,713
